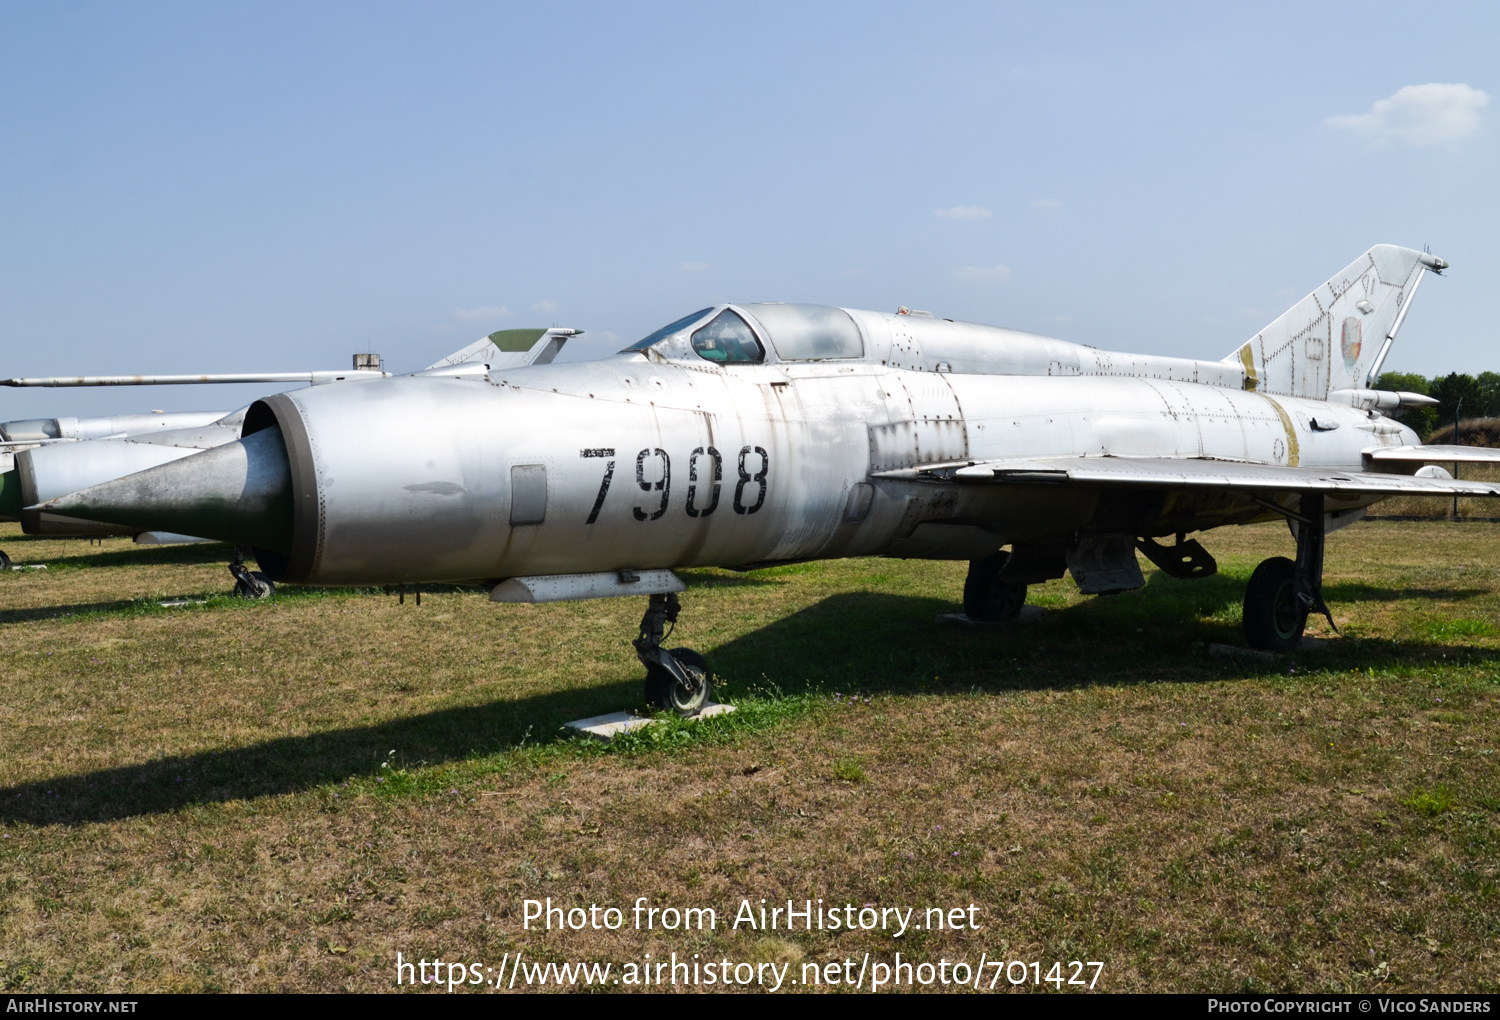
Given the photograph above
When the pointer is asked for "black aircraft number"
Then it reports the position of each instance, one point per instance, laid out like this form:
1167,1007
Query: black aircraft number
705,478
694,478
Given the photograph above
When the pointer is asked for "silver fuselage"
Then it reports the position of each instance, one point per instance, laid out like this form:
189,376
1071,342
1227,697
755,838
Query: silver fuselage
610,465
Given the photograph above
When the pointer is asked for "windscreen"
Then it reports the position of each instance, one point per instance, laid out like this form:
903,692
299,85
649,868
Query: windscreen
668,330
809,332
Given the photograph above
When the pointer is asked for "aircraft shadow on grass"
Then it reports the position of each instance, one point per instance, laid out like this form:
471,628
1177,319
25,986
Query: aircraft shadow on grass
862,641
129,556
284,596
1358,591
290,764
72,609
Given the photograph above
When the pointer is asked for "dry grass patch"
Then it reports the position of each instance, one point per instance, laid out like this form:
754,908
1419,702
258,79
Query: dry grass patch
282,795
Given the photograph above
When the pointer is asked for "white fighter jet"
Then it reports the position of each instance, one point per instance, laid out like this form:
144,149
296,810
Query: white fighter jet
746,435
41,458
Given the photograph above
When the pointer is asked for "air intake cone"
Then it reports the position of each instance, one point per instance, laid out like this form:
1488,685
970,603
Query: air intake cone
240,493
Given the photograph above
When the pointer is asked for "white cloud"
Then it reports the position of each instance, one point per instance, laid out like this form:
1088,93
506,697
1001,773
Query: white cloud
1047,204
544,306
693,267
1419,115
998,273
485,312
962,212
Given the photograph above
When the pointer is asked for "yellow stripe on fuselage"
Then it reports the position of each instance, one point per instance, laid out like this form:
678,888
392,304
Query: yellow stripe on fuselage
1248,357
1293,453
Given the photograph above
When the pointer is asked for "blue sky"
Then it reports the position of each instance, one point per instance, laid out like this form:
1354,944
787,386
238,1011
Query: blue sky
212,187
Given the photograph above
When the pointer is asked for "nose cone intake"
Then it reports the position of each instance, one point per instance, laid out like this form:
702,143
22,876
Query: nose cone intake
240,493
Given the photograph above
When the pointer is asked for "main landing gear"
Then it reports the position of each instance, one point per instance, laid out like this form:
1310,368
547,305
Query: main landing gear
676,678
249,584
988,596
1282,592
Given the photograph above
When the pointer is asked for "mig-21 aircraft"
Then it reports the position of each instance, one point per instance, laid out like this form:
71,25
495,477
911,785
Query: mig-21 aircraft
42,458
746,435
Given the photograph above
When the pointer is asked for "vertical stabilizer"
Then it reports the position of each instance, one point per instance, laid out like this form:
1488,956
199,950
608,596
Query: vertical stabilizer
511,348
1336,336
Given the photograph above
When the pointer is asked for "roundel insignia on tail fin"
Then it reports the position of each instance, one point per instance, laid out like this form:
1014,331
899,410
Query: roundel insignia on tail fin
1351,340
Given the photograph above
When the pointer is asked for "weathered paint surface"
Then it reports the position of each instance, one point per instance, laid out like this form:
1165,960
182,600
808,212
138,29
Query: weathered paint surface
768,457
1330,339
662,458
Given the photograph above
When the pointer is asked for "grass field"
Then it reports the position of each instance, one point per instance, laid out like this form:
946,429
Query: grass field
283,795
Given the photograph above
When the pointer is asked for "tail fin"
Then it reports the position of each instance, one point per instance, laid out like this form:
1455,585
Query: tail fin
1337,336
511,348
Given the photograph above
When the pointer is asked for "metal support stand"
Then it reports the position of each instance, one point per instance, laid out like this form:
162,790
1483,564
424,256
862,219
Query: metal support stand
1311,533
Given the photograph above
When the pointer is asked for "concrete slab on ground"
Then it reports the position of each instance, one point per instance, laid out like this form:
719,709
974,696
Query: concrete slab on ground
607,727
1028,614
1307,644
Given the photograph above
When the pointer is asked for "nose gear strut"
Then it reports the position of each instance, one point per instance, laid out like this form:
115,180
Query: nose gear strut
677,678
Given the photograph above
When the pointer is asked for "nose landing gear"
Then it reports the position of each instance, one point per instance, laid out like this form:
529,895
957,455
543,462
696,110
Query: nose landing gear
1283,592
249,584
676,678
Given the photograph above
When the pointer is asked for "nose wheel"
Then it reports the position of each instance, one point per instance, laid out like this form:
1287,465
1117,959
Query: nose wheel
678,678
249,584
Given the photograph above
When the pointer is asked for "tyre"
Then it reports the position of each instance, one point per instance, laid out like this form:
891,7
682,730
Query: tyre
4,560
986,596
1274,619
663,690
260,587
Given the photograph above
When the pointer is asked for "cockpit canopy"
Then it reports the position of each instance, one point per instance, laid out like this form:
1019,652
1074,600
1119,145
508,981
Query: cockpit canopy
728,338
735,335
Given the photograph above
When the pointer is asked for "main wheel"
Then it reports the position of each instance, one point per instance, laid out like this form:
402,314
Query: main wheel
986,596
4,560
664,690
1274,618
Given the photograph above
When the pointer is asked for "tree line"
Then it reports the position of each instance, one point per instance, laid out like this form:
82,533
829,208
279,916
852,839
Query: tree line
1457,393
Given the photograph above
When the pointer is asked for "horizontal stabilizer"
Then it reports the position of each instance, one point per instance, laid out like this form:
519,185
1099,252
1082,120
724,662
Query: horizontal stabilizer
1381,400
1188,473
1434,454
168,538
